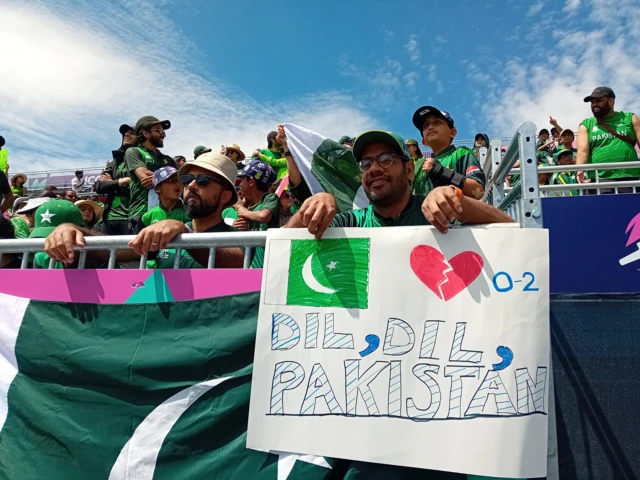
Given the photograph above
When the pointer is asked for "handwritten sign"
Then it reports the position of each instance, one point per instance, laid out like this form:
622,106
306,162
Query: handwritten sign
406,347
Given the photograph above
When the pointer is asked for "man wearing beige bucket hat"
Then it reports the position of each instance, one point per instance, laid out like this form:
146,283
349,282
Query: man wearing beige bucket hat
234,152
209,187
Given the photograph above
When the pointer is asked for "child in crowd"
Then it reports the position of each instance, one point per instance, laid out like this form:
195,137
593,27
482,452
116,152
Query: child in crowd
167,185
565,157
91,213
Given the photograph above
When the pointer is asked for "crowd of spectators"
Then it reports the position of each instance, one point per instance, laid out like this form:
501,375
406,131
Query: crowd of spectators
151,195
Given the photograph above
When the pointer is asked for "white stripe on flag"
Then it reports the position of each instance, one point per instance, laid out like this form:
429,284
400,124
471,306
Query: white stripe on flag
11,314
303,143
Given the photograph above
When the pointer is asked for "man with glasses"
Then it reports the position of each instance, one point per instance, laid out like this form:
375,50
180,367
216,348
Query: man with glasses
141,162
387,175
70,195
208,188
451,166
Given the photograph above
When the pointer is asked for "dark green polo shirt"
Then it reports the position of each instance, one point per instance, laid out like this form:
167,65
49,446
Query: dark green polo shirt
462,160
411,215
166,258
137,157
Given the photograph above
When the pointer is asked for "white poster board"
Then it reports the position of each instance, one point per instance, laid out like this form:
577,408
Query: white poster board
407,347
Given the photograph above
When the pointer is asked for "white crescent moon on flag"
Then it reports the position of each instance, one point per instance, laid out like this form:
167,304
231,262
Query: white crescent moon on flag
137,459
310,280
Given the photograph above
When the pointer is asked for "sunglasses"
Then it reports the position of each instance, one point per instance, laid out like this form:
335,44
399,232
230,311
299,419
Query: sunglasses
287,195
202,180
385,160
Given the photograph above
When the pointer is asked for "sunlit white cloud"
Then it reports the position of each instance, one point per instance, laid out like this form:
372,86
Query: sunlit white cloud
412,48
602,50
72,72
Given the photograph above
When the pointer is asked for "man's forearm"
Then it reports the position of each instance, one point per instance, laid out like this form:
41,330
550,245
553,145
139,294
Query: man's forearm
475,212
261,216
107,186
295,221
7,202
225,257
472,188
295,176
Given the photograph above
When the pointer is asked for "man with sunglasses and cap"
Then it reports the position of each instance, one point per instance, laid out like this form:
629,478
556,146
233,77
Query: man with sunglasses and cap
263,208
451,166
114,183
141,162
387,177
608,137
208,188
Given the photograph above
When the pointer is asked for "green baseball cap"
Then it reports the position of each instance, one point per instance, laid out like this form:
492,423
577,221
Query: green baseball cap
148,120
372,136
53,213
411,141
344,139
200,149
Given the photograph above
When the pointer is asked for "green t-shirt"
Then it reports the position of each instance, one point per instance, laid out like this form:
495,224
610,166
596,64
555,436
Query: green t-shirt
461,160
367,217
159,213
564,178
120,206
271,202
166,258
276,160
606,148
422,183
20,227
41,260
141,157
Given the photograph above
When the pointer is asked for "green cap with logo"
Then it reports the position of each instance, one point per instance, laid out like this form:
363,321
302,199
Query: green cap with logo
148,120
53,213
411,141
375,136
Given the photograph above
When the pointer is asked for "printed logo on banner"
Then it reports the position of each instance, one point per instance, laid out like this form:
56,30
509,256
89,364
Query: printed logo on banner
633,231
329,273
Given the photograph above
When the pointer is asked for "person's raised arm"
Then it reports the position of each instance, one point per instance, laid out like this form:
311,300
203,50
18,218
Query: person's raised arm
555,123
582,156
636,128
295,176
444,204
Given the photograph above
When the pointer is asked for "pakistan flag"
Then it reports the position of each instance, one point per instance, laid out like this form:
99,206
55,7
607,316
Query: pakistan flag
327,166
329,273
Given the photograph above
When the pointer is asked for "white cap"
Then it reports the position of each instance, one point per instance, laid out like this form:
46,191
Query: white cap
33,204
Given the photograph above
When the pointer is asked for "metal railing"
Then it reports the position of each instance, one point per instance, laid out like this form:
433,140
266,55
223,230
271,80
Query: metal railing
523,201
210,241
597,184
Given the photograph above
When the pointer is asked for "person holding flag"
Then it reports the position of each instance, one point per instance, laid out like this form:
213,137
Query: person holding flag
451,165
387,176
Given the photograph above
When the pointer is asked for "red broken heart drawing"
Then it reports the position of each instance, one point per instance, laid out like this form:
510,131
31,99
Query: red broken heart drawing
445,279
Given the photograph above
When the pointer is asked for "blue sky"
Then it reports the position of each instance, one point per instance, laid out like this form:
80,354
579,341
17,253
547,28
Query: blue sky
228,72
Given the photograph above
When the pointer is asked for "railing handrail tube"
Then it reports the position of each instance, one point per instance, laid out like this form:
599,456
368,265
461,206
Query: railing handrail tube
583,186
585,167
120,242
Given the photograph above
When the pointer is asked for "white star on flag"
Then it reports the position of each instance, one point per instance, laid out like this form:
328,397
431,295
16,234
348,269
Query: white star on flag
287,460
46,216
332,265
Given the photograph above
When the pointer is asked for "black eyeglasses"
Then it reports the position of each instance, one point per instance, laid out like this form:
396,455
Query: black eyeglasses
384,160
287,195
202,180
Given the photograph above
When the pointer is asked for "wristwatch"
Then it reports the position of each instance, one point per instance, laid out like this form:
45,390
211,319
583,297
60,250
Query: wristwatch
287,154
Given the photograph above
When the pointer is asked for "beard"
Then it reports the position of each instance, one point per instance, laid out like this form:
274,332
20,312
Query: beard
602,112
157,142
389,194
197,208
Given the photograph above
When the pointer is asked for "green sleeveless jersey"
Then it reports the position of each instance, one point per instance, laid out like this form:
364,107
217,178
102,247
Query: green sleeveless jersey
606,148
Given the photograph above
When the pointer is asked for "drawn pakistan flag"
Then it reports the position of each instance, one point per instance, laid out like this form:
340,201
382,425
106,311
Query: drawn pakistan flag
329,273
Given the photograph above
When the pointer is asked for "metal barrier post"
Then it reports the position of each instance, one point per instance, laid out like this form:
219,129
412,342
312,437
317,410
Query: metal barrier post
530,205
496,158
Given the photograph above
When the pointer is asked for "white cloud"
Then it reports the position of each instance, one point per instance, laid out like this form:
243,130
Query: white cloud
571,5
70,77
387,34
411,78
582,60
413,49
431,73
535,9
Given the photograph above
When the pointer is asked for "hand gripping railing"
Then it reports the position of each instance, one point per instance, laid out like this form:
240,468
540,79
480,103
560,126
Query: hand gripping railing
210,241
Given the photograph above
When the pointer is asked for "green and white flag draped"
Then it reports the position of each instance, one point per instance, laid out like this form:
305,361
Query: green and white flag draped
327,166
141,392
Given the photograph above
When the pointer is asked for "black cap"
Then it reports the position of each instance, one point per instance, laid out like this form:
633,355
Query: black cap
1,141
554,130
544,130
124,128
600,92
148,120
418,116
563,153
